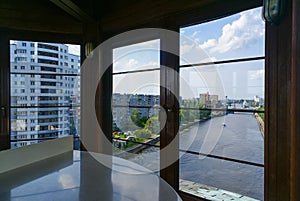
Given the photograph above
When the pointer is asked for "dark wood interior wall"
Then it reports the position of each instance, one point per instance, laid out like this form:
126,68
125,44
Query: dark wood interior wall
4,92
174,13
282,107
40,16
295,100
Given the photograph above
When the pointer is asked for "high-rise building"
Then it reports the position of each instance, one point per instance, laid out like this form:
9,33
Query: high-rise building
124,104
44,91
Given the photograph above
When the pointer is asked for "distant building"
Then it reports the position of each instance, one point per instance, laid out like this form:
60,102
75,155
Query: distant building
124,104
258,101
245,104
209,101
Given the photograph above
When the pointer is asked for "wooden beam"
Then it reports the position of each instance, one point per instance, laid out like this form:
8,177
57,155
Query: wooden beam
73,10
42,16
179,13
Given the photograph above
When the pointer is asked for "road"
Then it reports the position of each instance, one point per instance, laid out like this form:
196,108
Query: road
239,139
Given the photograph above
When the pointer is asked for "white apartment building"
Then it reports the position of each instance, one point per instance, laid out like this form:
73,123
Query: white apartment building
44,91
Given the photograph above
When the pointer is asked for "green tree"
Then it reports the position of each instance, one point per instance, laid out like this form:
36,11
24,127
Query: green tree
153,125
137,119
142,133
204,113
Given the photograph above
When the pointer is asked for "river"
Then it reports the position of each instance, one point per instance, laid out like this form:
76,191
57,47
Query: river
240,139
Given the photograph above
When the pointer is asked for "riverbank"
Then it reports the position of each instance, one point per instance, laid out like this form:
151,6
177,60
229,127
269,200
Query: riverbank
261,124
137,148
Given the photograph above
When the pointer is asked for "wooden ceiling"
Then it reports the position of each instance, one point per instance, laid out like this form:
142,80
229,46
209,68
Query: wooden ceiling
70,16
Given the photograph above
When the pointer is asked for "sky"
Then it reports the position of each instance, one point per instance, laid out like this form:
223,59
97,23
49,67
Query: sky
74,49
238,36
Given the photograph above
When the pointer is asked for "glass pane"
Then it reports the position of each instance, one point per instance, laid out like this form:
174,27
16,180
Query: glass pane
221,127
234,37
37,88
135,104
43,90
139,56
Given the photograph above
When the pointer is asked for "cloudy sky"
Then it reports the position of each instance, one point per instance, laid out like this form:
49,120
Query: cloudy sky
238,36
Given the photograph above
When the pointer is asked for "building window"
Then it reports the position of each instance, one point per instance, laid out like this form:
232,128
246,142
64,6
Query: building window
32,52
23,44
32,91
31,82
31,44
22,67
32,67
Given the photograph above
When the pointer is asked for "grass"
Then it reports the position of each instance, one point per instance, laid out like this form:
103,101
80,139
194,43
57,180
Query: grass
262,115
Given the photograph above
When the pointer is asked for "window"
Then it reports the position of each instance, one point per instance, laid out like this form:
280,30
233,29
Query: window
22,67
24,44
135,111
31,44
217,105
44,106
32,52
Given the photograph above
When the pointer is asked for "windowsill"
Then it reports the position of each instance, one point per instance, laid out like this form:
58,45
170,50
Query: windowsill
210,193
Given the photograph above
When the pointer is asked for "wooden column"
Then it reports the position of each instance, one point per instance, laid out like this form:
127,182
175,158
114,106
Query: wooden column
4,92
169,95
282,140
102,97
295,102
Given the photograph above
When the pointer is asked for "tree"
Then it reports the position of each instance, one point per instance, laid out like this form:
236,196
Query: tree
137,119
153,124
142,133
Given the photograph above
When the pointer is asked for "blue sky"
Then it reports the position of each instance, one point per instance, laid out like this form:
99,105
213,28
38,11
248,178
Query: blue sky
237,36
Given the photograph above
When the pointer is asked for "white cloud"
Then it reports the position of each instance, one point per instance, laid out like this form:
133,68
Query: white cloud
208,44
254,75
195,34
185,48
131,63
240,33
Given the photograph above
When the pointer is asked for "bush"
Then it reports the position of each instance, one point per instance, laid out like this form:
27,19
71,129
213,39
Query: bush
142,133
